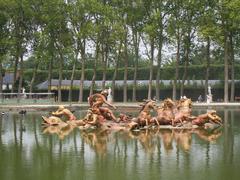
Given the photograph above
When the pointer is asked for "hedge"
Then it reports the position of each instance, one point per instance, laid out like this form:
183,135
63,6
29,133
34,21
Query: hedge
196,72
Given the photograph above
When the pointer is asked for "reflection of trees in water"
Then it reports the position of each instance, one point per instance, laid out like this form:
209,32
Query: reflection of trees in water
207,136
17,155
228,137
1,130
15,128
35,132
62,130
167,139
146,139
48,153
97,140
183,139
151,140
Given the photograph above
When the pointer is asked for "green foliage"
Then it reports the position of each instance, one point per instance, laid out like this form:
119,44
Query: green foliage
195,72
45,30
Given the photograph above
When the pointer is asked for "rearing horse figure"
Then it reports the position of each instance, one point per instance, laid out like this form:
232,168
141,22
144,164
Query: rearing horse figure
165,115
144,118
182,111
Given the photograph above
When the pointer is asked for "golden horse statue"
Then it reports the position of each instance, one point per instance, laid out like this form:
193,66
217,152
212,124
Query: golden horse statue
145,118
182,111
165,115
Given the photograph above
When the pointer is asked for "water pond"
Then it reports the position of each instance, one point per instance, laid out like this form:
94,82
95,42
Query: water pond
27,152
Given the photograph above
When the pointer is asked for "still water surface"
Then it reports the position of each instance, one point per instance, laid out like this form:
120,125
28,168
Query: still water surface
27,152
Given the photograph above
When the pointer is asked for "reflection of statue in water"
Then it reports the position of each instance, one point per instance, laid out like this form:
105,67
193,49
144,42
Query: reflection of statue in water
147,140
167,138
62,129
208,136
62,111
97,140
183,138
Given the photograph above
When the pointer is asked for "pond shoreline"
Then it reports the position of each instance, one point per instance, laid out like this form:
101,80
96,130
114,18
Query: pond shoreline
120,106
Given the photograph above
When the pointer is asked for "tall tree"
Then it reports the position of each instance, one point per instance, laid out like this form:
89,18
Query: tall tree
125,66
80,28
161,12
190,16
232,95
207,66
175,34
4,39
94,68
83,58
136,42
61,37
118,54
135,17
150,30
22,21
39,50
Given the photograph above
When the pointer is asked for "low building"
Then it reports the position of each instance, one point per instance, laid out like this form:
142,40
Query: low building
118,83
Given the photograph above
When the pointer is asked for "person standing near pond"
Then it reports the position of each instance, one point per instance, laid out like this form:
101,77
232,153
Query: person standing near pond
96,102
200,99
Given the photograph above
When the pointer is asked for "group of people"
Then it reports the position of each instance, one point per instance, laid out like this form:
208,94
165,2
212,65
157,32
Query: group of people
176,114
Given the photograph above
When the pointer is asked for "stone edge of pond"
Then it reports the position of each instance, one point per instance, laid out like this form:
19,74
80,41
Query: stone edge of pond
120,106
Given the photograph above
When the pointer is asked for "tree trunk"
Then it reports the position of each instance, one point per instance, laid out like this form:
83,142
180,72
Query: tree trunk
114,80
151,70
94,70
207,66
125,70
183,77
72,76
136,49
1,78
226,58
20,78
15,71
232,68
116,70
1,131
60,76
34,75
82,49
159,68
104,61
187,51
50,75
176,67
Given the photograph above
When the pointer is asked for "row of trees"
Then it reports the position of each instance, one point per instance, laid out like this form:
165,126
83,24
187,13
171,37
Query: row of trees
65,33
